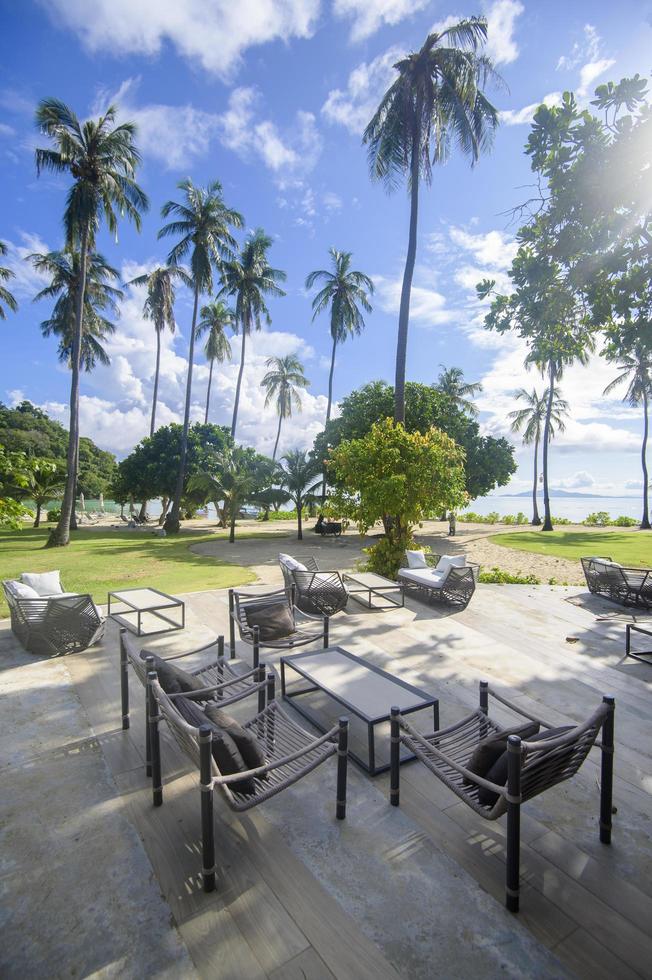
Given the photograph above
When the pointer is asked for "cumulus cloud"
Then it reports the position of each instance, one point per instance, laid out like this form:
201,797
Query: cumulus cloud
354,105
427,306
211,33
369,15
519,117
501,22
26,281
578,481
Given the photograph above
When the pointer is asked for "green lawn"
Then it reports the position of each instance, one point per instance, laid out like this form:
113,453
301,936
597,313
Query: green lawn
628,548
100,561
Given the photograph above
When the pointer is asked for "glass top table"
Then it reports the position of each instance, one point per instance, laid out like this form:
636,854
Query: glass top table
374,591
146,612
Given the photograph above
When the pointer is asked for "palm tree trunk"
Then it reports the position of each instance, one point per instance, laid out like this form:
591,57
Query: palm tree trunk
278,436
60,535
164,509
37,522
536,520
172,521
245,326
232,522
299,515
330,380
208,392
547,520
73,516
645,522
152,424
406,290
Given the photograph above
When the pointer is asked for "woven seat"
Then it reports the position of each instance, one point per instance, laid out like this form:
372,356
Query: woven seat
290,753
318,592
534,766
627,586
307,629
454,588
54,625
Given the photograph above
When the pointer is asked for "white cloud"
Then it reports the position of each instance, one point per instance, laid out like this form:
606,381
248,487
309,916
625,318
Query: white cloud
501,21
241,130
369,15
427,305
6,130
578,481
518,117
26,281
354,106
211,33
332,201
590,73
494,249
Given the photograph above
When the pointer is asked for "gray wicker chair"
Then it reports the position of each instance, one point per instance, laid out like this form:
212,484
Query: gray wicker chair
307,629
456,589
533,766
627,586
54,625
318,592
291,753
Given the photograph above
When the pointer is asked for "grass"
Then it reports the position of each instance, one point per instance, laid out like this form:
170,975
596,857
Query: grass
628,548
100,561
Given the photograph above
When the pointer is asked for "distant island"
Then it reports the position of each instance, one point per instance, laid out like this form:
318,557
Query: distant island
567,493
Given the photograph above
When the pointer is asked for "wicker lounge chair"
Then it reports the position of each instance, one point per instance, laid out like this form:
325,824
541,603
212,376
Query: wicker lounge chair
318,592
302,628
54,625
532,767
628,586
290,753
454,587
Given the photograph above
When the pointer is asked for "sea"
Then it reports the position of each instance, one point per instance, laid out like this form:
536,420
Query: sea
572,508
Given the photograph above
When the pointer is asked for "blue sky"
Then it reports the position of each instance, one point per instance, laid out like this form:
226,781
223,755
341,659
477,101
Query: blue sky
270,97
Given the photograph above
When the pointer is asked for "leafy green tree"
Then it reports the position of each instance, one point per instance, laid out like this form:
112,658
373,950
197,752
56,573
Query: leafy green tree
7,299
389,471
46,485
437,101
101,157
17,475
249,278
215,317
203,221
282,382
159,308
635,370
529,420
452,384
298,481
346,292
233,475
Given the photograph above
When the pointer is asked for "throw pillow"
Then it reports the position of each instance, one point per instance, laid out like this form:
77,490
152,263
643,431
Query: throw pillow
22,591
225,752
488,750
416,559
274,620
498,772
44,583
292,563
447,562
248,745
173,679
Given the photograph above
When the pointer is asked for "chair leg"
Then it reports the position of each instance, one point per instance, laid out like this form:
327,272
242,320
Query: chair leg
149,667
155,744
124,680
342,764
231,626
607,773
207,825
326,631
394,757
513,822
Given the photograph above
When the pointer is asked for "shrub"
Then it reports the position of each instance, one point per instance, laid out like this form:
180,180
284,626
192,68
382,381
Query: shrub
561,520
499,577
623,521
284,515
54,515
599,519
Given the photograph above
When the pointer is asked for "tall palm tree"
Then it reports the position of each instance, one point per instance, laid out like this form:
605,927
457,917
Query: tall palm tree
6,297
451,383
159,308
249,278
102,158
344,291
282,382
214,318
297,479
635,370
435,103
45,485
204,222
530,420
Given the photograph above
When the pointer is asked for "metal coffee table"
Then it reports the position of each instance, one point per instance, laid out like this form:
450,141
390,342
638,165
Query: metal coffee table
374,591
142,611
365,692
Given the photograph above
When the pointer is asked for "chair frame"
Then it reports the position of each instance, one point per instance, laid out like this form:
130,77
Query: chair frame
306,631
627,586
316,596
54,625
534,766
457,588
299,753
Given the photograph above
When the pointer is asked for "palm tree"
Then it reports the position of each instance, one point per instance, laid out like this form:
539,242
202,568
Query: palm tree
530,420
159,308
102,158
345,291
234,479
282,382
451,383
436,101
203,221
249,278
215,317
5,296
297,476
635,370
45,485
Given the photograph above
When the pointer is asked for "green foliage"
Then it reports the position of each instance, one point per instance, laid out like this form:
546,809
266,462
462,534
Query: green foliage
298,478
233,474
6,298
497,576
54,514
629,548
386,557
562,520
18,474
624,521
284,515
599,519
519,518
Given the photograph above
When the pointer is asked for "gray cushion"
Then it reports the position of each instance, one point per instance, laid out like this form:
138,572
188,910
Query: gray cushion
497,773
489,749
225,752
173,679
248,745
274,620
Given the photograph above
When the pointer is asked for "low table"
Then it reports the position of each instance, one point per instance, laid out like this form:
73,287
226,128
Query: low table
644,656
362,689
143,610
366,587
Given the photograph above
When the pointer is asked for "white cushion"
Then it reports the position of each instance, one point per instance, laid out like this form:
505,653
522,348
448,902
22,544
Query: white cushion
423,576
44,583
22,591
416,559
447,562
291,563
